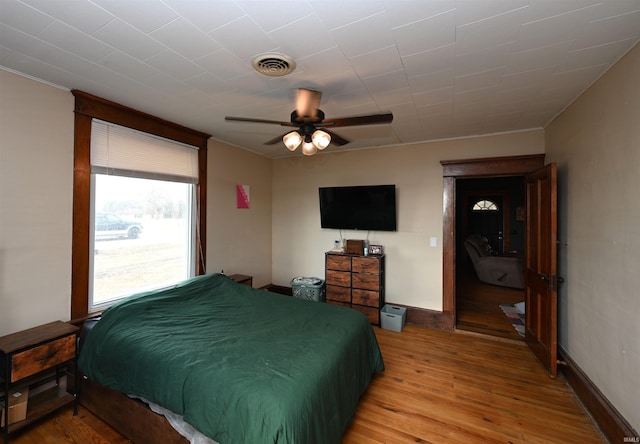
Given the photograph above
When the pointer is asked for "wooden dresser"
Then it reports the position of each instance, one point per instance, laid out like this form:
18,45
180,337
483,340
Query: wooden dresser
356,281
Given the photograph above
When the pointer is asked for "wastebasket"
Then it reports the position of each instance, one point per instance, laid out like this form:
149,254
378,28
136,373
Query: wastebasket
309,288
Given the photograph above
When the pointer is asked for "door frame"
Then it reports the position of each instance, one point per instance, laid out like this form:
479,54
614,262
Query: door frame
468,169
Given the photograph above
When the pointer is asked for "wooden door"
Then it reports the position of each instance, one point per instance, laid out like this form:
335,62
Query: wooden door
489,223
541,280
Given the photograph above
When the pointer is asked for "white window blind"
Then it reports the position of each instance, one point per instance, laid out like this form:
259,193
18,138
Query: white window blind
125,152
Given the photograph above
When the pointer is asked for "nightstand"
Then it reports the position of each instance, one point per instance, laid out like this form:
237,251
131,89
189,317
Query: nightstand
242,279
30,358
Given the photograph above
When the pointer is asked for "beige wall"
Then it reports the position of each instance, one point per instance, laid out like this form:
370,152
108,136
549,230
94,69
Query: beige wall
36,205
238,240
36,177
596,143
413,268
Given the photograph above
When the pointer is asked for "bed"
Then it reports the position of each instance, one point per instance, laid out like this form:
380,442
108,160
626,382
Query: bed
237,363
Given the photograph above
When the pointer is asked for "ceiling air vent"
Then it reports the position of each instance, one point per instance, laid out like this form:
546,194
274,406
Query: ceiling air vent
273,64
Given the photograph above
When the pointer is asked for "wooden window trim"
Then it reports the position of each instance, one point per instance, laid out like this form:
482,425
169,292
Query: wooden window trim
88,107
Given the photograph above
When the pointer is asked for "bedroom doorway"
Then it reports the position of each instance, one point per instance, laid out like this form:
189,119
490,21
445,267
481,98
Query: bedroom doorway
540,252
491,208
454,173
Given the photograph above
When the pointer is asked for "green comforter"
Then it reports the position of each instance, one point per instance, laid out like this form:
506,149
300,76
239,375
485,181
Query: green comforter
241,365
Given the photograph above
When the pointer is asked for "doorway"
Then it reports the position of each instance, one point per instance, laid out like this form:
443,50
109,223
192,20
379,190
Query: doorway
492,208
454,171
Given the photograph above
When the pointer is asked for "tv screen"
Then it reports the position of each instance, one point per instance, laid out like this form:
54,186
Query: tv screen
370,207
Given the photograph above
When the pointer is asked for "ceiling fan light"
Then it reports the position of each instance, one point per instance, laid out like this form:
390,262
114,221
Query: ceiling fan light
292,140
309,149
321,139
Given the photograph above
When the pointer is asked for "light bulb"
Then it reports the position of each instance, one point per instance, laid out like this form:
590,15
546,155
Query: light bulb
309,149
292,140
321,139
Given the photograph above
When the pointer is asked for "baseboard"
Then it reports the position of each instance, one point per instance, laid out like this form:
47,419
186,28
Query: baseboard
437,320
611,423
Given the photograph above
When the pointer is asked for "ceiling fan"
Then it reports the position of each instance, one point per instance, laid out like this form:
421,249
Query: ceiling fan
312,128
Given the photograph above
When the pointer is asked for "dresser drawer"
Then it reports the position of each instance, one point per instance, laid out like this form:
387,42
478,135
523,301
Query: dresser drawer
365,297
366,265
338,262
336,293
341,278
32,361
372,313
366,281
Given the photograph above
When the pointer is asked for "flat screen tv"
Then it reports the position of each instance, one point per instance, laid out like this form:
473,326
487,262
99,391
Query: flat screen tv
371,207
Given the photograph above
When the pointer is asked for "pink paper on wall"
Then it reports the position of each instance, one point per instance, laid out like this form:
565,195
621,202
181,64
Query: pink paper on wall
242,194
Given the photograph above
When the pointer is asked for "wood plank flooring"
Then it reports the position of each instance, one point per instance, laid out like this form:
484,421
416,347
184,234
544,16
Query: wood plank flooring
441,387
478,307
438,387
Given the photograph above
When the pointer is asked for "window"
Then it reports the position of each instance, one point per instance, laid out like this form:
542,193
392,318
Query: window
139,203
146,243
485,205
143,236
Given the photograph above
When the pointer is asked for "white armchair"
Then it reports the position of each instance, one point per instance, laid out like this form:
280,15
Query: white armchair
496,270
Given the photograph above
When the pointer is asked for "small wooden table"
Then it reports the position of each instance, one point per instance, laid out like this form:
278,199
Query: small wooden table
25,357
242,279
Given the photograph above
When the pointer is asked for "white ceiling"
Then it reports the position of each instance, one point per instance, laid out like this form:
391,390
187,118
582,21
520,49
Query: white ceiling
445,68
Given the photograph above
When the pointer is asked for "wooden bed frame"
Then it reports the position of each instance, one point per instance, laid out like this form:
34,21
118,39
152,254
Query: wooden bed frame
131,417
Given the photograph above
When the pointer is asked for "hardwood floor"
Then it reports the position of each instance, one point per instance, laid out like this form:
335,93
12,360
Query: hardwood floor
62,427
478,307
438,387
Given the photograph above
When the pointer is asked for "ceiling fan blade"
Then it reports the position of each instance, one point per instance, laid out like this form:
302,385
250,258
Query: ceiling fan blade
308,103
275,140
373,119
247,119
335,138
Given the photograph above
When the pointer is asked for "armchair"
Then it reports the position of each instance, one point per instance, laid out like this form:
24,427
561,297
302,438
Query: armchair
496,270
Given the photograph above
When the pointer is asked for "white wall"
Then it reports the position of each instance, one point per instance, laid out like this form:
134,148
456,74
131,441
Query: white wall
238,240
413,268
36,177
596,143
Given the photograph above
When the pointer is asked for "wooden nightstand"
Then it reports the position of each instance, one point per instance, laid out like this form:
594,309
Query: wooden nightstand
27,359
242,279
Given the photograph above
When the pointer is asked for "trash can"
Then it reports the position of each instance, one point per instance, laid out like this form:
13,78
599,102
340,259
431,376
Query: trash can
309,288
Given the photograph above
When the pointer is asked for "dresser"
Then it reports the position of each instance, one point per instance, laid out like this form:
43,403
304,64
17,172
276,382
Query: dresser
356,281
31,358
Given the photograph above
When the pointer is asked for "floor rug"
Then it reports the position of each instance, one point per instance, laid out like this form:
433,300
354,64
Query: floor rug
515,314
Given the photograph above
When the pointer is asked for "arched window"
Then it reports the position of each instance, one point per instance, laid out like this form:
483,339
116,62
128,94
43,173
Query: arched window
485,205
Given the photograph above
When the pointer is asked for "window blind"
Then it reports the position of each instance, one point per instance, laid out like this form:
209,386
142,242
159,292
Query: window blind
122,151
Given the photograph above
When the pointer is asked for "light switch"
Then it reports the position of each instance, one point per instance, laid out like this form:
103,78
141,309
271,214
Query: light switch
433,242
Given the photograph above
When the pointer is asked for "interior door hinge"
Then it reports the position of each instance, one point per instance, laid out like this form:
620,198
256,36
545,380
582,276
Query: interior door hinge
554,281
